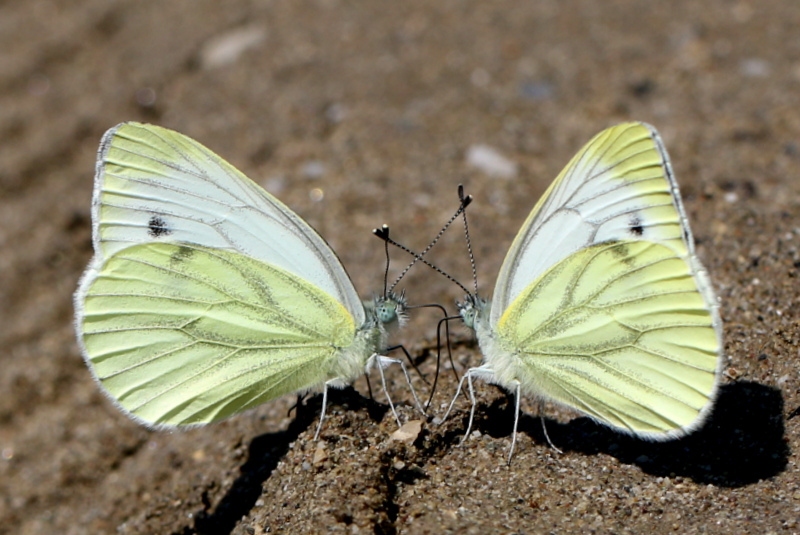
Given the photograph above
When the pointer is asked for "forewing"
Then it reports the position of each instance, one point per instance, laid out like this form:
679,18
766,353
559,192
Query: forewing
156,185
621,332
184,334
618,187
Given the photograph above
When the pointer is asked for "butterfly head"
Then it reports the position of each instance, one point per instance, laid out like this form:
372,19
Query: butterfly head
470,309
390,309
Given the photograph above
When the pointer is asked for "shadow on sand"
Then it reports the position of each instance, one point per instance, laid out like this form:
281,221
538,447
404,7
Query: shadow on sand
742,442
264,453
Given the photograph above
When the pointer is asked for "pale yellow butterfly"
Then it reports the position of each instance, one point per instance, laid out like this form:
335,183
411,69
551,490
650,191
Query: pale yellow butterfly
601,304
206,295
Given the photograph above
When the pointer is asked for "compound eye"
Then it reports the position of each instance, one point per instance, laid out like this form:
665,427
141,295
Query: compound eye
386,312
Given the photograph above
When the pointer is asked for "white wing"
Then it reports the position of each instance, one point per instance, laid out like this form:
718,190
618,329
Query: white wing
154,184
619,186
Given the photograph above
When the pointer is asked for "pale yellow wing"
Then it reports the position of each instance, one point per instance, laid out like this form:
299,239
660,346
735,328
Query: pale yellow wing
620,331
180,334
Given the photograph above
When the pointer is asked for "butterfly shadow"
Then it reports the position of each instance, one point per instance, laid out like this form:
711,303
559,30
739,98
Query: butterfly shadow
264,453
741,442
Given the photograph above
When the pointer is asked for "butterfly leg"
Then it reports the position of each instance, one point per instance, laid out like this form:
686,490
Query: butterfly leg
473,401
385,361
322,414
480,372
544,427
516,422
381,362
410,360
484,373
458,391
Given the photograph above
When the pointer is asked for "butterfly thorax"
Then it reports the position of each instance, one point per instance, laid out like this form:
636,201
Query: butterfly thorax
384,314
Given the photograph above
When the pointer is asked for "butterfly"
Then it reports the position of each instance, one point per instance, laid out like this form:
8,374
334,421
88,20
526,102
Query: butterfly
206,295
601,304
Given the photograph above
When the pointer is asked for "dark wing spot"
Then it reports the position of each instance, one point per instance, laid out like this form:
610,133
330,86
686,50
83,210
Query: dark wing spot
618,249
635,226
158,227
182,254
622,252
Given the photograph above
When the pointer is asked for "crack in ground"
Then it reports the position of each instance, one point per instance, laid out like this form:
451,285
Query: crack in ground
264,454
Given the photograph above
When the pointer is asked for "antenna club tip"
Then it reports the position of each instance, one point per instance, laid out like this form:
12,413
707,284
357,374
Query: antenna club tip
382,232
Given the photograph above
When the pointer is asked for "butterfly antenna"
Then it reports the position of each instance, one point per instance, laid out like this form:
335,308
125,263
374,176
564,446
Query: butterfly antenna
385,229
466,236
383,233
462,208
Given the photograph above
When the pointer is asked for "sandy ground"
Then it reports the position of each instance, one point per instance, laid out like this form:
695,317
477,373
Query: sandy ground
359,113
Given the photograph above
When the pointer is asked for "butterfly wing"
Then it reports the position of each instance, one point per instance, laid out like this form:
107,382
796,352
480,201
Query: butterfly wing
180,334
620,331
619,186
206,295
601,298
156,185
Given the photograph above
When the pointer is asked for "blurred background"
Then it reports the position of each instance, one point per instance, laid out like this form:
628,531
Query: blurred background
355,114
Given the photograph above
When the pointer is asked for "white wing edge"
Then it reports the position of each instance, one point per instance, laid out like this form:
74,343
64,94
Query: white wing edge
701,278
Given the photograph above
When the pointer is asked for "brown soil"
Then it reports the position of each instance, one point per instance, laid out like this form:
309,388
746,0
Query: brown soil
388,97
